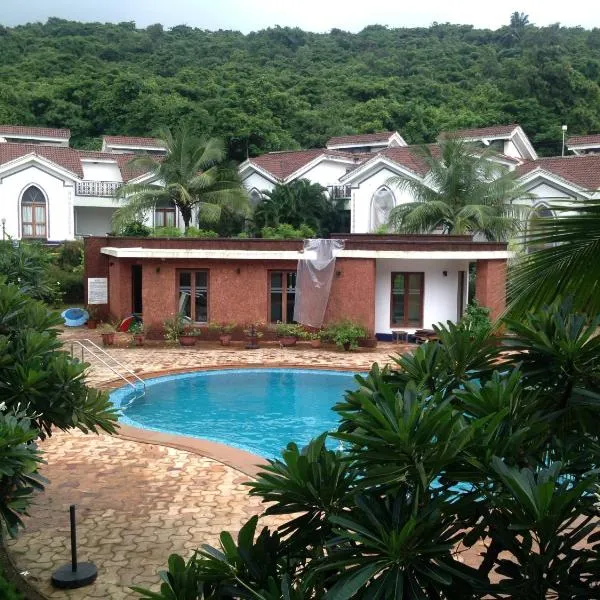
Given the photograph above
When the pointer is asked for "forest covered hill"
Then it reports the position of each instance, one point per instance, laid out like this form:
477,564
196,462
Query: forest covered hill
284,88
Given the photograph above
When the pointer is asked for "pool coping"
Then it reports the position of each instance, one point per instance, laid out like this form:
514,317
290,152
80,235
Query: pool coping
241,460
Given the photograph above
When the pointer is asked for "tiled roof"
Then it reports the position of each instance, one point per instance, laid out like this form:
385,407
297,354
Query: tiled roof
409,157
63,134
584,140
70,158
583,171
482,132
136,142
363,138
283,164
67,158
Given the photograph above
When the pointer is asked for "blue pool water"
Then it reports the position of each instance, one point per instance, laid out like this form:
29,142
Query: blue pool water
258,410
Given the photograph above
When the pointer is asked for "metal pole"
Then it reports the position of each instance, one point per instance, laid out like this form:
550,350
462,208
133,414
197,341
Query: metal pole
563,143
73,540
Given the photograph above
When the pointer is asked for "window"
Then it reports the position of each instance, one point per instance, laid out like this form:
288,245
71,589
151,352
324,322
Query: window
193,295
255,197
539,212
282,296
407,300
381,205
33,213
164,216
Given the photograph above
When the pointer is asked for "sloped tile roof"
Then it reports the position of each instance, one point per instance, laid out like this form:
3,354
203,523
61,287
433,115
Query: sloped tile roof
128,171
583,171
584,140
363,138
137,142
63,134
67,158
482,132
283,164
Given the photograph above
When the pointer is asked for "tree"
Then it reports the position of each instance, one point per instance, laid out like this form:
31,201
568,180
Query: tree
446,450
465,191
41,388
564,260
192,176
298,203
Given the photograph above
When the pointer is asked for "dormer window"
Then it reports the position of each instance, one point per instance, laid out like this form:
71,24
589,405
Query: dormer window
33,213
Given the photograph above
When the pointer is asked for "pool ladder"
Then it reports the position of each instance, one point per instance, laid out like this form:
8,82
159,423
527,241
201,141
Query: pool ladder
110,362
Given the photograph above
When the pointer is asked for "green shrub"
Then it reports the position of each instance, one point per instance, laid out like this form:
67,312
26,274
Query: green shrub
476,318
70,256
7,590
169,232
200,233
287,232
70,285
135,229
289,330
243,235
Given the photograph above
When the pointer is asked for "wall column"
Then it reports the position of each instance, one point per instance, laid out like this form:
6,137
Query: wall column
490,286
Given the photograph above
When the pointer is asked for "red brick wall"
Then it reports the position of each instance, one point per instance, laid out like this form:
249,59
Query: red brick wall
490,286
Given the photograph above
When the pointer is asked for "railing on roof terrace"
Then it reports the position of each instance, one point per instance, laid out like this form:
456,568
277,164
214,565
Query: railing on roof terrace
102,189
340,192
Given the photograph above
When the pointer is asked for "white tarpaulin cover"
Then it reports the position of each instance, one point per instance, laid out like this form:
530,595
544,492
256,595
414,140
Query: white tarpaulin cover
313,280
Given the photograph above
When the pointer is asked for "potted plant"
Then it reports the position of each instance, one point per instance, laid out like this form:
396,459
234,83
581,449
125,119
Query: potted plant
107,331
224,331
137,333
314,337
174,327
253,334
92,321
346,334
288,333
189,336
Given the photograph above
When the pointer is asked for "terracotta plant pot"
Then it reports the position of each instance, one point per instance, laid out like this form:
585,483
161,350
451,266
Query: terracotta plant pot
315,343
347,346
108,339
287,340
370,342
187,340
92,324
252,342
138,339
225,339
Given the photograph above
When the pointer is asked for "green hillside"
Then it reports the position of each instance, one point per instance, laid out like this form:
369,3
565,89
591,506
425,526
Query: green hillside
287,88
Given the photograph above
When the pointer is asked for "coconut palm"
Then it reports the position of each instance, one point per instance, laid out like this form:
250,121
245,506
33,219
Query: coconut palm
465,191
194,175
564,261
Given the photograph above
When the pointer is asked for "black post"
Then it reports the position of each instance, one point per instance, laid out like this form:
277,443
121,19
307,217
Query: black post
76,574
73,539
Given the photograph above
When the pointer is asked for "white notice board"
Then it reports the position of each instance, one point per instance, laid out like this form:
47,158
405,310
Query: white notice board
97,290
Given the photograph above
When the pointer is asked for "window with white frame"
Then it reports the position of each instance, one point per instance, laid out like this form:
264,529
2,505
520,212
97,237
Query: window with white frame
164,215
255,197
33,213
381,205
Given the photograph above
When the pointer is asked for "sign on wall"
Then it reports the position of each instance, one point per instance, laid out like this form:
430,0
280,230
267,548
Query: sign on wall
97,290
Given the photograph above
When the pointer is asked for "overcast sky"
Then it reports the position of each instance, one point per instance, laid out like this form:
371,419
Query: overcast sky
313,15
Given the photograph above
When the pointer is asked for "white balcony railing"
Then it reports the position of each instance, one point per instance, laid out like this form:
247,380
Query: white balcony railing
99,189
340,192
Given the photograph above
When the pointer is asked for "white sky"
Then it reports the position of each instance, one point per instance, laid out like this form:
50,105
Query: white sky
312,15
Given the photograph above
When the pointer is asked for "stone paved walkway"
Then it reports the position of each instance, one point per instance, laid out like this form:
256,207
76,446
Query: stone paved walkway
137,503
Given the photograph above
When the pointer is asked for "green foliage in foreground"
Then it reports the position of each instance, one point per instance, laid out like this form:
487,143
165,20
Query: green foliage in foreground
284,88
41,388
446,449
8,590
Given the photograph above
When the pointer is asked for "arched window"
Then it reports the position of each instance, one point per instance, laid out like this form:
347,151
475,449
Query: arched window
539,212
33,213
381,205
255,197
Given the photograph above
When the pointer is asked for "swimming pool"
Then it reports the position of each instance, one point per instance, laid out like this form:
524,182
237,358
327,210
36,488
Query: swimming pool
258,410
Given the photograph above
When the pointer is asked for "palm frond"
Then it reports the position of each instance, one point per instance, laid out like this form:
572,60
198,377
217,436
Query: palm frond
564,261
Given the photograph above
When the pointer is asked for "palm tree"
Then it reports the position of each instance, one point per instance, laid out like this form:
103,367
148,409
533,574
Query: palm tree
192,176
465,191
298,203
565,261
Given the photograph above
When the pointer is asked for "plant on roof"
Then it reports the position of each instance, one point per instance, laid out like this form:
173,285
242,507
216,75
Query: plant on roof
447,450
194,176
466,191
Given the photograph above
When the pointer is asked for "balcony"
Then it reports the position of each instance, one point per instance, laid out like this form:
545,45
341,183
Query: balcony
340,192
97,189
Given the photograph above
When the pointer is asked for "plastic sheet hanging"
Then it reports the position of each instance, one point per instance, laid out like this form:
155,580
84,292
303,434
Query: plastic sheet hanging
313,280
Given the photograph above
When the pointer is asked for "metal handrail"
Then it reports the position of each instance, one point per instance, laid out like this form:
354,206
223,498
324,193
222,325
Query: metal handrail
127,370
